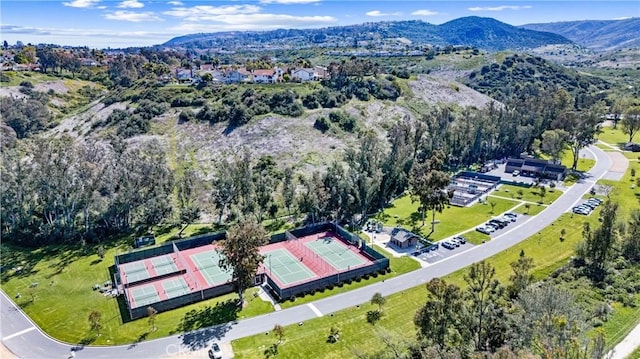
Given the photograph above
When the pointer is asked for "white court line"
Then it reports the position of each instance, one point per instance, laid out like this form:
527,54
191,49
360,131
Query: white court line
20,333
314,309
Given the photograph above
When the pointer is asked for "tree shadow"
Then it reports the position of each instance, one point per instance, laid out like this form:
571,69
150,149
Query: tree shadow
216,321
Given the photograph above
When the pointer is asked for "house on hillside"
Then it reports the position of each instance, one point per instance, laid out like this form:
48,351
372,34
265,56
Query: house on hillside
303,75
184,75
265,76
235,76
403,239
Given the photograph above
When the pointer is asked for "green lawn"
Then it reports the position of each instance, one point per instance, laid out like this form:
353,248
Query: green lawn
548,252
621,322
398,265
16,77
531,194
635,354
64,298
614,137
452,220
532,210
476,237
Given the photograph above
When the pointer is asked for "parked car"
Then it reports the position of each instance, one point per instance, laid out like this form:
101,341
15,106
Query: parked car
144,241
215,352
595,199
448,245
460,239
497,223
516,173
484,229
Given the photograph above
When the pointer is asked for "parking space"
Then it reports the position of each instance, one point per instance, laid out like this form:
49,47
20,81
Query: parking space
509,177
442,253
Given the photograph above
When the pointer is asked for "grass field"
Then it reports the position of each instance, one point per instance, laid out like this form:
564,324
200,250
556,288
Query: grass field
451,221
623,320
635,354
531,194
614,137
532,210
16,77
399,265
476,237
64,298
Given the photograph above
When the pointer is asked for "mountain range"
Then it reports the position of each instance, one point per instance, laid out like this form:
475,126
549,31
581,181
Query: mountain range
596,34
480,32
484,33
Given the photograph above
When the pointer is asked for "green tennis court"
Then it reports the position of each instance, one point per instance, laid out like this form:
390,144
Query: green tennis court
207,264
175,287
336,253
164,264
135,271
286,267
144,295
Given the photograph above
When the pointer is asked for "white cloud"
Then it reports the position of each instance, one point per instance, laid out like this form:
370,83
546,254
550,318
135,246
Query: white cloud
132,16
255,22
622,18
84,37
424,12
208,13
175,3
377,13
130,4
81,3
500,8
289,2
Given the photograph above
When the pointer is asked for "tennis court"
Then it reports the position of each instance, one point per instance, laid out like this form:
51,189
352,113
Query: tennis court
335,253
207,264
286,267
144,295
164,264
134,271
175,287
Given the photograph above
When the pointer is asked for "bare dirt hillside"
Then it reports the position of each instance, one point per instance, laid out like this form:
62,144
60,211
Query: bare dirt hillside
441,89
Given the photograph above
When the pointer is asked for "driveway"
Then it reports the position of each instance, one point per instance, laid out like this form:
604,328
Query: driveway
23,338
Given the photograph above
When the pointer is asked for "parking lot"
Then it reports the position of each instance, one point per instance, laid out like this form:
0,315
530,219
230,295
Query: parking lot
442,253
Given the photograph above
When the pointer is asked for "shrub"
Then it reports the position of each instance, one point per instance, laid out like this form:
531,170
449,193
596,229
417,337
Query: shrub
26,84
373,316
186,116
322,124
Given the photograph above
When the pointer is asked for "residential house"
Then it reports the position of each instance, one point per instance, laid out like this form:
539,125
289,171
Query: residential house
265,76
234,76
185,75
320,72
303,75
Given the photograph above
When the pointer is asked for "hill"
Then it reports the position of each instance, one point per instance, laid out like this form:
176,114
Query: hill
485,33
596,34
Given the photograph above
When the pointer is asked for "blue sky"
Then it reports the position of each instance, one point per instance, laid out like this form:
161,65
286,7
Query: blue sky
107,23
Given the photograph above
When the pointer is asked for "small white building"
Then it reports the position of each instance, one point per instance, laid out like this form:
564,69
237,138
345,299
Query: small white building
265,76
303,75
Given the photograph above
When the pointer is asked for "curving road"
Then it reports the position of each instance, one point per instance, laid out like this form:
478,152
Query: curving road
26,340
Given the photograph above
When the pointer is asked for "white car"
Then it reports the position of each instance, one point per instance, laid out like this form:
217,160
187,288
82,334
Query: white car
215,352
516,173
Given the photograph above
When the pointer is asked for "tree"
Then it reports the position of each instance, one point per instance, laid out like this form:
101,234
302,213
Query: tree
334,335
278,330
554,143
546,319
224,187
542,193
95,321
598,244
521,277
581,128
428,183
486,315
378,300
151,315
288,189
493,205
439,321
241,254
187,192
631,241
631,121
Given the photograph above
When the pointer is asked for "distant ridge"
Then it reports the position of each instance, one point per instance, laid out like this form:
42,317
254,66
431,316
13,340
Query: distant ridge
484,33
596,34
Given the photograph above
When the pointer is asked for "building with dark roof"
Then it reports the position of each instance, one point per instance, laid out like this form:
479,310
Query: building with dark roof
537,168
403,238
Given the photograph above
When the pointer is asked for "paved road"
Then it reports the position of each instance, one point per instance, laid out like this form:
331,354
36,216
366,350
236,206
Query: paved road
23,338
